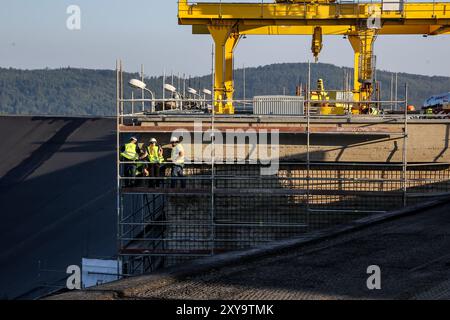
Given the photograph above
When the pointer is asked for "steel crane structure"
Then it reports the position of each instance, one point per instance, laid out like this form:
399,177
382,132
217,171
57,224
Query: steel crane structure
360,22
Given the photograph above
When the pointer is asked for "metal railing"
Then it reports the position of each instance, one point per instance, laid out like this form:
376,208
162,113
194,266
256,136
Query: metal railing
340,8
223,205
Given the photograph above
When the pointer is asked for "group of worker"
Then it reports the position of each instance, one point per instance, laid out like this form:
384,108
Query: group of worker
149,161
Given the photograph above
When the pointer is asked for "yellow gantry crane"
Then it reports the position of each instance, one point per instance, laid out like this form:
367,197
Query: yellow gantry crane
360,22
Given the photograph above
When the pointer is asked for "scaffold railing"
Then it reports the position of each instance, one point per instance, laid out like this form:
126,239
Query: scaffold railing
227,204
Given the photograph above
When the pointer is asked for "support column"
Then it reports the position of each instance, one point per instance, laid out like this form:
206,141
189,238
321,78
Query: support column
225,40
362,44
356,45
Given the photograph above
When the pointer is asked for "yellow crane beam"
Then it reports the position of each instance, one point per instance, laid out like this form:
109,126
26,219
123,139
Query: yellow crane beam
425,29
311,13
226,22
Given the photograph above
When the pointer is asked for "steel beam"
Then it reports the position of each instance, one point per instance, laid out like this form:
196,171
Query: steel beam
227,21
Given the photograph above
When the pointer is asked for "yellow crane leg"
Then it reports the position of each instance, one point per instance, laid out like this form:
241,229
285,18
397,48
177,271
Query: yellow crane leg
225,40
363,64
356,45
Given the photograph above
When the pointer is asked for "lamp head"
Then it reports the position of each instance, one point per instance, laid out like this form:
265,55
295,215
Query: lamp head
138,84
170,88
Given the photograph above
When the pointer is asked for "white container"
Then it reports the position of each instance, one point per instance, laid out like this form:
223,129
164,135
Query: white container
278,105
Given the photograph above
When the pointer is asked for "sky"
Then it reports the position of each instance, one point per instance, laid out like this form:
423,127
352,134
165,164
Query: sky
34,35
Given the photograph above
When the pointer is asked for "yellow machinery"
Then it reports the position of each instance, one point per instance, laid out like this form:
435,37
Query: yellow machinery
333,107
359,22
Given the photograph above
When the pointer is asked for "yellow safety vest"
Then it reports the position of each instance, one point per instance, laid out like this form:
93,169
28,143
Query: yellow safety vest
130,152
429,111
154,156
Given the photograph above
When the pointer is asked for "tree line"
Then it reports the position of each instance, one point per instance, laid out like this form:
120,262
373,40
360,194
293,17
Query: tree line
86,92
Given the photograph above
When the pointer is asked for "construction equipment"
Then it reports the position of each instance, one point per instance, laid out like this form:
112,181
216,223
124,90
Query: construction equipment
438,103
361,23
338,101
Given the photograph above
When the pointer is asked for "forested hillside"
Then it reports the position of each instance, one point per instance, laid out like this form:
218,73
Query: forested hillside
72,91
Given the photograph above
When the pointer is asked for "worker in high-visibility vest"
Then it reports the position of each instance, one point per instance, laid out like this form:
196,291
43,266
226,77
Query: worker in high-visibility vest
162,164
374,111
177,163
155,158
429,112
129,153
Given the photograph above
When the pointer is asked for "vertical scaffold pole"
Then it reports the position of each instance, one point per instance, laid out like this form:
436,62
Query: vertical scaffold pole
212,71
396,91
164,90
405,150
118,165
213,155
121,91
142,91
308,131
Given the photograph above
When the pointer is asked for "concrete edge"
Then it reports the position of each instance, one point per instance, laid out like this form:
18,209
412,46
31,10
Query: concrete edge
49,116
130,287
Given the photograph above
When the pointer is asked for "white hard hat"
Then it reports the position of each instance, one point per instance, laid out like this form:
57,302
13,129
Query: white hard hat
133,138
153,140
174,139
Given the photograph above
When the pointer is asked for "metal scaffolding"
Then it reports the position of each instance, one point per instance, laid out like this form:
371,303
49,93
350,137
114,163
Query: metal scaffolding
229,206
